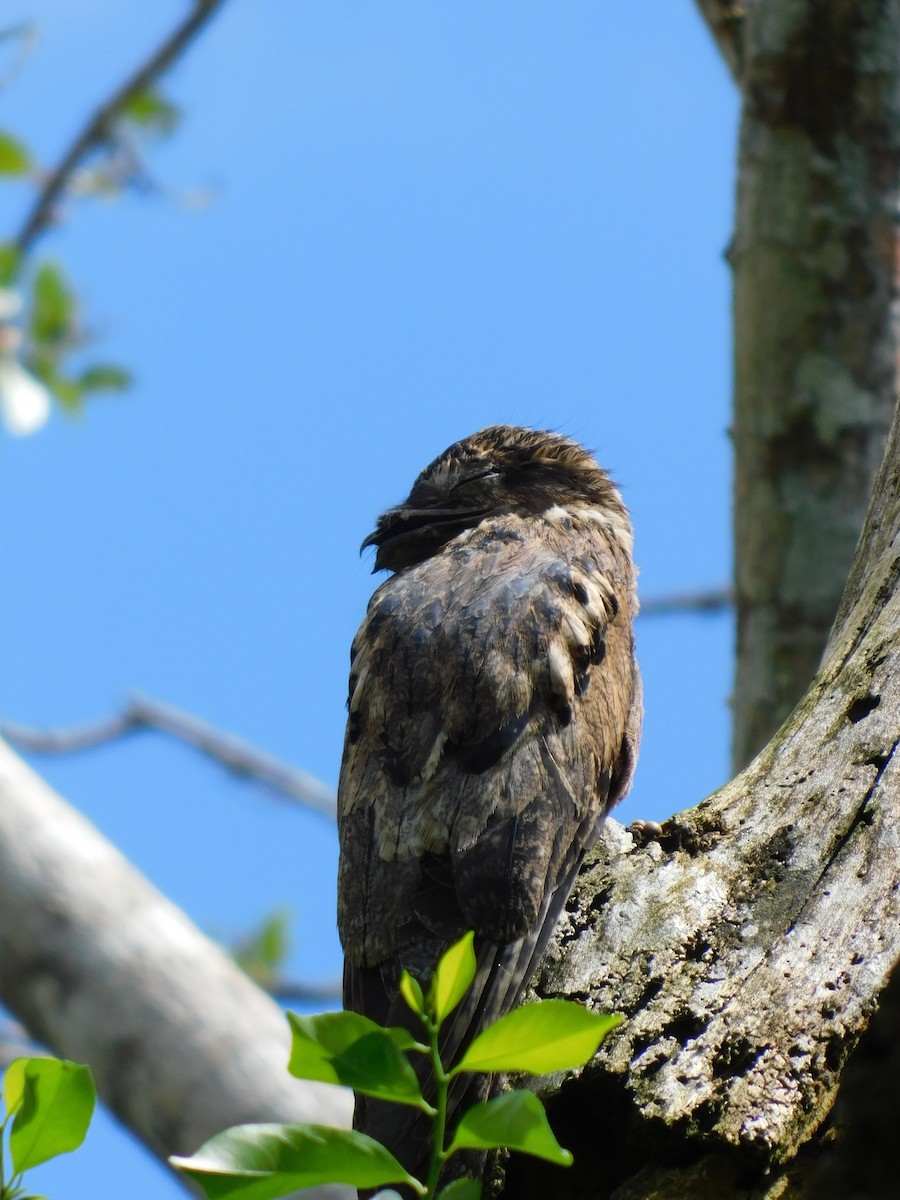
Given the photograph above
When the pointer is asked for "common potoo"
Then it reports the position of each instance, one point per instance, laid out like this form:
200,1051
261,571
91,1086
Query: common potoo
495,711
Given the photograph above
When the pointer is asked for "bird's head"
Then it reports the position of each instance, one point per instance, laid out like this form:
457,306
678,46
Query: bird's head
501,469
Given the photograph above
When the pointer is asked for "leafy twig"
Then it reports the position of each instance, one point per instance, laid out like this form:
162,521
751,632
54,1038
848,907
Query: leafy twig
97,129
143,712
349,1049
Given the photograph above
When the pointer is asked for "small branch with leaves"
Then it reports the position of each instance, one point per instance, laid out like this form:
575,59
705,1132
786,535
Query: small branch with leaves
262,954
134,100
263,1162
35,349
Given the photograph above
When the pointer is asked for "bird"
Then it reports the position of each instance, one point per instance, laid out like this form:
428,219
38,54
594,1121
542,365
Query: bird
494,718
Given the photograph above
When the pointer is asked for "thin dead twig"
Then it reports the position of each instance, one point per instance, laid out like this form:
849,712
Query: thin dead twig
709,601
291,992
241,757
228,751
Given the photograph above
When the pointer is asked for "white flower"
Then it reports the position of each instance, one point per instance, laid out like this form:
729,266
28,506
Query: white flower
24,402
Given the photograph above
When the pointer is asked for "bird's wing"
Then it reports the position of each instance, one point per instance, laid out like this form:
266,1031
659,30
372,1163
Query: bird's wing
492,725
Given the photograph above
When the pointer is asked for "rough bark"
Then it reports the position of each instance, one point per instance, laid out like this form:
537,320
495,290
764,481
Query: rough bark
104,970
814,257
748,946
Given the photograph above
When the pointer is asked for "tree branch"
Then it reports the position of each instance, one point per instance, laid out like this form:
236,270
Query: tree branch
291,992
143,712
709,601
241,757
97,129
103,969
725,19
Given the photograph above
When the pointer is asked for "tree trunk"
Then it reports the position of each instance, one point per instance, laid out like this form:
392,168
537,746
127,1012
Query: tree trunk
749,945
814,257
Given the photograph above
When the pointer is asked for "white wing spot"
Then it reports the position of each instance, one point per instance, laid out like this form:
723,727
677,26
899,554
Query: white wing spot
434,757
617,524
562,680
557,515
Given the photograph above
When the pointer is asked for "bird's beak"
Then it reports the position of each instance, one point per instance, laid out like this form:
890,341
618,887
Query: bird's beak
400,523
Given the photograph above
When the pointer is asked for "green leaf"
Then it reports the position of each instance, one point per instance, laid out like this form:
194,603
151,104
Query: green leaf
411,991
14,1083
10,260
515,1120
68,392
334,1032
349,1049
261,1162
57,1103
14,156
105,377
152,111
375,1066
263,952
549,1035
452,976
53,306
461,1189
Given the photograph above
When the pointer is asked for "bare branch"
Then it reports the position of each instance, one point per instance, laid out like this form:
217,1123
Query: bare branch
292,992
709,601
143,712
66,741
725,19
241,757
97,129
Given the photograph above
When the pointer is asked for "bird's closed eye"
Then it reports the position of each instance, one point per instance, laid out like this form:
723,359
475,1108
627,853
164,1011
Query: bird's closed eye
488,473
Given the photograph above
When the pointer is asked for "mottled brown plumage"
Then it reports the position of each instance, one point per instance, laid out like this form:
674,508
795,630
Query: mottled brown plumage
494,720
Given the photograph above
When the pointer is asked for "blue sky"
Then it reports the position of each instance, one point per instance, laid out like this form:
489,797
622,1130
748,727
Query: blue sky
427,217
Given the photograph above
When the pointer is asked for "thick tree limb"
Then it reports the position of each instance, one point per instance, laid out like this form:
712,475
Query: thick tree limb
228,751
749,945
96,131
815,264
103,969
